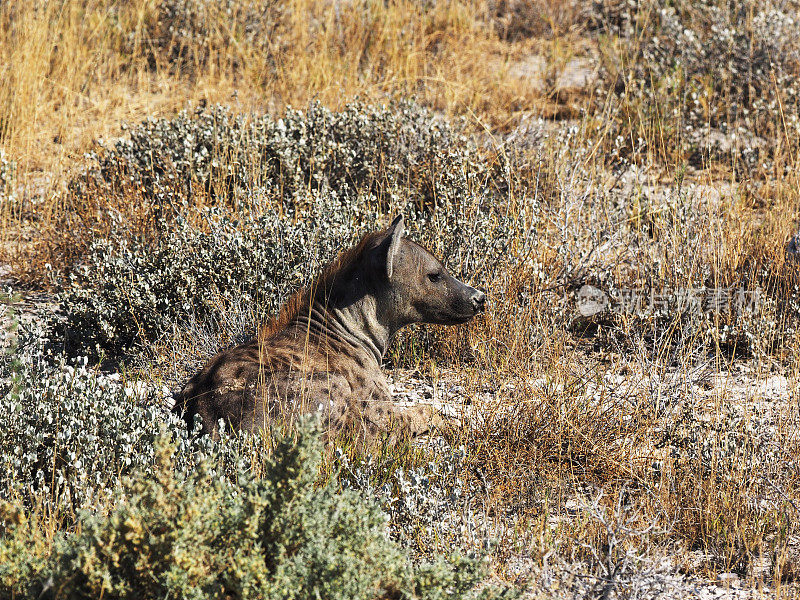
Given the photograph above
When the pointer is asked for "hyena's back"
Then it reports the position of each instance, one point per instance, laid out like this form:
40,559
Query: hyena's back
261,382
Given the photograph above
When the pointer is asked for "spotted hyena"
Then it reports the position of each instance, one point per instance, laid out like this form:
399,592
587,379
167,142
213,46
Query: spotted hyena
323,353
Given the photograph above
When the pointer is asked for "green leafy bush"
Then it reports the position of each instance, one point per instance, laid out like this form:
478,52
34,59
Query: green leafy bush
23,551
189,534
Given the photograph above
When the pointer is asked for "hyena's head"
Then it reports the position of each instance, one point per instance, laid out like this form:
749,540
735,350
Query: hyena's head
415,287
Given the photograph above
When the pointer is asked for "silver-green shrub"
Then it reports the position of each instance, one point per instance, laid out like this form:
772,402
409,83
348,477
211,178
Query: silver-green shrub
336,171
291,193
430,505
360,149
69,432
129,290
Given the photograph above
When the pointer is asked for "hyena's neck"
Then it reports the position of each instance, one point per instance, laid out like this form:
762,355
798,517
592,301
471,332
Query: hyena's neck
356,325
359,324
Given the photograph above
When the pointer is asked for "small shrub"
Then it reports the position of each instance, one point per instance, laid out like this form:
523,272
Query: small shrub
289,193
67,432
183,534
520,19
721,461
430,505
128,291
24,551
186,34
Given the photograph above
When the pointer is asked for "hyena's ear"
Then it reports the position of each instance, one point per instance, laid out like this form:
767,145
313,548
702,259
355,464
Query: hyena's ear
394,233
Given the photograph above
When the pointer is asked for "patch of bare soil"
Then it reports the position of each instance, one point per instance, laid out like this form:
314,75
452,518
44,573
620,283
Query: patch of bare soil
19,306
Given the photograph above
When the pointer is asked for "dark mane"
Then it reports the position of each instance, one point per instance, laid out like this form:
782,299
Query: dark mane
302,299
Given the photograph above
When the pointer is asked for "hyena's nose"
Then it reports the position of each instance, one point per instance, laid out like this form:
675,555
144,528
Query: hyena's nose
478,300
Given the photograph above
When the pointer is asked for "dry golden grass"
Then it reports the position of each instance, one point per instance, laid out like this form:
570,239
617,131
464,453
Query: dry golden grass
73,71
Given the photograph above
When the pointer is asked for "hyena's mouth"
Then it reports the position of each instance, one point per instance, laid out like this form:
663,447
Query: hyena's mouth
449,319
464,318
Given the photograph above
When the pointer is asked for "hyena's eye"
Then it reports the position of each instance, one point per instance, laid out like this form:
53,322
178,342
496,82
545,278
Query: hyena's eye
434,277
